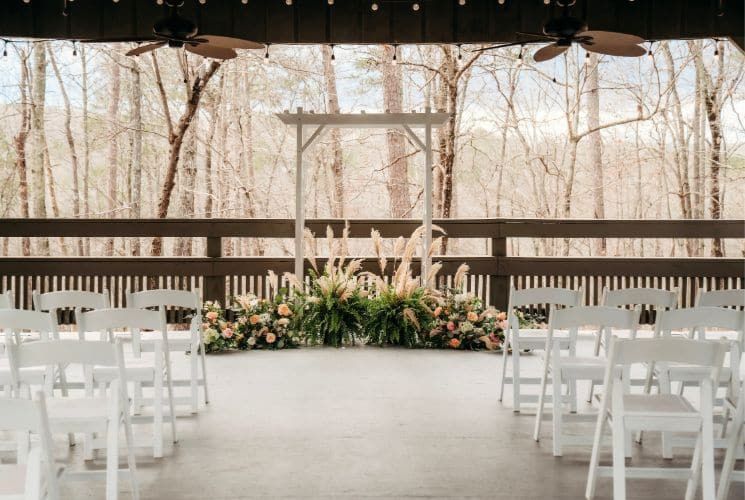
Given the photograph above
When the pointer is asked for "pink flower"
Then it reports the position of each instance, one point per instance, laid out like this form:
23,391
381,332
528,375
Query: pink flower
502,316
437,312
472,316
211,315
503,324
451,326
227,333
270,338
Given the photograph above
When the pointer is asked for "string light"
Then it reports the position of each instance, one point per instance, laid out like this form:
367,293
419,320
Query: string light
460,53
500,2
461,2
546,2
266,53
395,54
244,2
649,52
333,55
520,56
415,6
330,2
374,7
288,2
74,48
5,48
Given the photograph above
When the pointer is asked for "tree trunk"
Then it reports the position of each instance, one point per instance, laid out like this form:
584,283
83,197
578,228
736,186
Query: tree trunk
86,144
332,106
214,113
176,140
20,145
187,176
112,157
397,166
71,144
135,195
596,144
38,197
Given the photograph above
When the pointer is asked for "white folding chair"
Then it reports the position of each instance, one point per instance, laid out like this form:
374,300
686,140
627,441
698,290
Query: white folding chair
101,415
721,298
735,447
53,302
568,370
518,339
6,300
139,371
700,321
12,323
656,298
162,299
657,412
34,476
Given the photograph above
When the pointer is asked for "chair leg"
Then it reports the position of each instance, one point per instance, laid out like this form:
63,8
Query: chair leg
194,381
203,355
667,437
619,460
171,407
592,384
735,441
556,411
131,463
695,471
112,460
541,404
505,349
158,413
592,475
708,482
515,377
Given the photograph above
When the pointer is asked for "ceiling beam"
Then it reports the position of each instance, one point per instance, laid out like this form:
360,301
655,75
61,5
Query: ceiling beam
353,21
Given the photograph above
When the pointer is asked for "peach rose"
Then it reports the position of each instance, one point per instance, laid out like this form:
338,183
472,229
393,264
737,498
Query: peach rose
270,338
227,333
451,326
472,316
438,311
254,319
284,310
503,325
211,315
454,343
502,316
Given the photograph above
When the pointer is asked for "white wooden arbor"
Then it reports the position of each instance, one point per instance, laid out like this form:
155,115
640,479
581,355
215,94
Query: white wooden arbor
321,122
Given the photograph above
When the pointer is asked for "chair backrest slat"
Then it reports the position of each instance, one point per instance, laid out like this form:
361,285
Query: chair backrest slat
600,316
20,319
55,352
701,318
722,298
545,295
188,299
129,318
655,297
71,299
670,350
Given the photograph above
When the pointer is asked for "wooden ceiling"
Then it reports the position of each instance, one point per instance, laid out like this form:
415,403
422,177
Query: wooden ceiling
354,22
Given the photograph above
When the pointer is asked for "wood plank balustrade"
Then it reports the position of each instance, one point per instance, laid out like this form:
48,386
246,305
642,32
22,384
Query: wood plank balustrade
220,277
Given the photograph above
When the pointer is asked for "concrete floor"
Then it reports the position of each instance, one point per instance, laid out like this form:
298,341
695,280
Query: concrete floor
367,422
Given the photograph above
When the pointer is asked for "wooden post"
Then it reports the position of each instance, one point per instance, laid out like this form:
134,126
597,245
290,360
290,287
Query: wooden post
214,286
499,285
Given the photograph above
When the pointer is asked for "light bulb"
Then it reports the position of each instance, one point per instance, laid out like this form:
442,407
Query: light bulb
374,7
461,2
415,6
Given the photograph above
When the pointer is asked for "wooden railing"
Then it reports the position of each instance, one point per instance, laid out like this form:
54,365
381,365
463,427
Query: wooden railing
220,277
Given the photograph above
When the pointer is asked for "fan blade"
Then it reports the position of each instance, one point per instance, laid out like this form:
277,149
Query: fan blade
549,52
536,35
500,46
611,37
231,43
213,51
145,48
631,50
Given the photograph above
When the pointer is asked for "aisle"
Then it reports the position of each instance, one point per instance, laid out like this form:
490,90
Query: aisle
365,422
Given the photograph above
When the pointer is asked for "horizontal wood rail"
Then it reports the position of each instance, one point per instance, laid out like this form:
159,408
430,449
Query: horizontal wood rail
221,277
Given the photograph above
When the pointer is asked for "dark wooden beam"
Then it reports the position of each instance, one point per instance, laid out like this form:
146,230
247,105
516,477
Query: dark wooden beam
353,22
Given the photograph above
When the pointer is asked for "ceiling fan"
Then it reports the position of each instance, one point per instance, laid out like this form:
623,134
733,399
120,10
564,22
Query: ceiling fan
178,31
565,30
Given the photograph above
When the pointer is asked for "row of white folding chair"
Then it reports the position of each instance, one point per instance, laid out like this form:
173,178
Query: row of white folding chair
535,339
660,412
89,415
657,299
34,476
565,371
6,300
162,299
153,373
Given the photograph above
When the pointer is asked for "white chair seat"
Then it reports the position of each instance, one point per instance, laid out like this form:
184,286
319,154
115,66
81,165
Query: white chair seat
690,373
30,375
12,480
137,370
657,404
77,414
535,338
583,367
177,339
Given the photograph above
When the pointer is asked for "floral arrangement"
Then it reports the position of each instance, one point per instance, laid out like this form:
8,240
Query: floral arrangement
400,311
462,322
266,324
217,333
333,307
